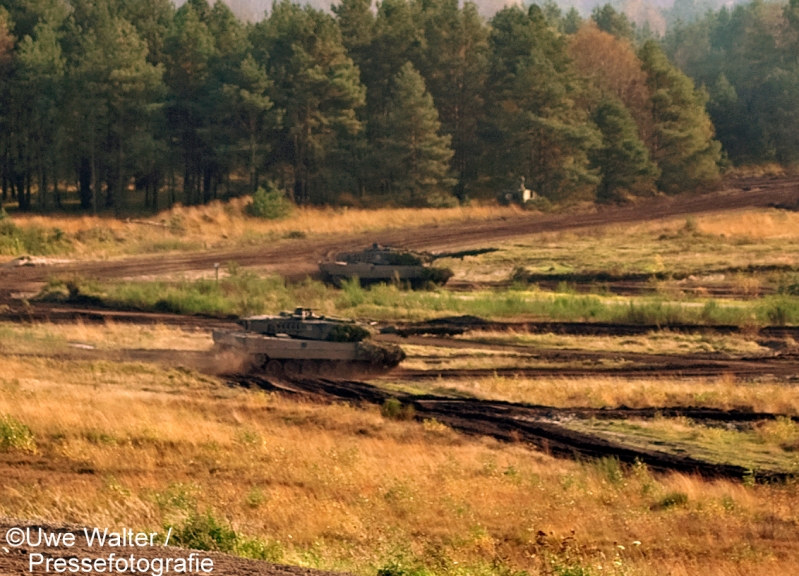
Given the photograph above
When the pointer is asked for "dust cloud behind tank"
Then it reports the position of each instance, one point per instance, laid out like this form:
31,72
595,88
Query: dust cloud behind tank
301,343
386,264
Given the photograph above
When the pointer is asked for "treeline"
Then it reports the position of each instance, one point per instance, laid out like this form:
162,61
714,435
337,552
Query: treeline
748,58
419,102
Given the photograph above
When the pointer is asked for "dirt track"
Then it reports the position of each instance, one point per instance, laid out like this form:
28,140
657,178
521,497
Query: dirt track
540,426
15,561
298,258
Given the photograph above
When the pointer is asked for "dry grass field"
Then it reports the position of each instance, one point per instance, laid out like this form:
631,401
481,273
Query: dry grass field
220,225
89,436
342,487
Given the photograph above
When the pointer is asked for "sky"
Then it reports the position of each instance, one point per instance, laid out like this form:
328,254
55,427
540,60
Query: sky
639,11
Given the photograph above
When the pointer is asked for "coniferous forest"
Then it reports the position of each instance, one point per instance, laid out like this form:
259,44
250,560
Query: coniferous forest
114,105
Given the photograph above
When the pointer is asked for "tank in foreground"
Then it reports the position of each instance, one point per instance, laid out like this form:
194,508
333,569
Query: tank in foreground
386,264
300,343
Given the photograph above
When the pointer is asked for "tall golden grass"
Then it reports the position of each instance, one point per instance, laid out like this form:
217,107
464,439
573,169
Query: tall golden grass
221,224
336,486
725,392
46,337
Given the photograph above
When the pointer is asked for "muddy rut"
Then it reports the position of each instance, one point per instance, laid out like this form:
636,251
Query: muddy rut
540,426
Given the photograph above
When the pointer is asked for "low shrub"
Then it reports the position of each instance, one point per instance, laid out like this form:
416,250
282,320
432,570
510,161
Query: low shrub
15,436
393,409
204,532
270,204
33,240
671,500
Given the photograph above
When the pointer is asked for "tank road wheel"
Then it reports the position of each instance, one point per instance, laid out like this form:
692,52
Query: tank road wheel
342,369
327,369
274,368
291,369
310,368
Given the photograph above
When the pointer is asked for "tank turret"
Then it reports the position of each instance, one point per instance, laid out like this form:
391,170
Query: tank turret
305,325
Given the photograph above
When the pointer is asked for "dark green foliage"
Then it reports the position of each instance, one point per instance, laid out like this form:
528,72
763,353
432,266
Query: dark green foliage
393,409
671,500
748,58
682,141
571,21
418,102
536,127
270,204
317,87
348,333
613,22
415,155
622,159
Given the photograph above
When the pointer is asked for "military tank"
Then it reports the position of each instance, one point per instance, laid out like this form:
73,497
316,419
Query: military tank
386,264
301,343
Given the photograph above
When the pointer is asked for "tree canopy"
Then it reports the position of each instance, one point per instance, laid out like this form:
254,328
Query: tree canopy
122,105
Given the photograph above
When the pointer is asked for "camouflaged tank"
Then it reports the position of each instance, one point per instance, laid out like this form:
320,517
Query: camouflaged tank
301,343
386,264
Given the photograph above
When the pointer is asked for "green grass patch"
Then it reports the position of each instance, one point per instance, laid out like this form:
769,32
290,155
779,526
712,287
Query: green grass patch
31,240
767,445
15,436
243,293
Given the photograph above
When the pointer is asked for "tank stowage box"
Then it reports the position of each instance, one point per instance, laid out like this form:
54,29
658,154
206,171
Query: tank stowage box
301,343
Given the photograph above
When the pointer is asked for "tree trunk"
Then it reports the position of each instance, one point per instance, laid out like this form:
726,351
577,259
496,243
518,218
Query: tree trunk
156,184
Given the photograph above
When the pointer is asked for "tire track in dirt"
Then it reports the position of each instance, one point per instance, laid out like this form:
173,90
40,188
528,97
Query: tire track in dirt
574,363
298,258
539,426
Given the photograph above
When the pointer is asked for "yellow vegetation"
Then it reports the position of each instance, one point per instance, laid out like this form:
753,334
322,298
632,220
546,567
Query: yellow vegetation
335,486
606,391
222,224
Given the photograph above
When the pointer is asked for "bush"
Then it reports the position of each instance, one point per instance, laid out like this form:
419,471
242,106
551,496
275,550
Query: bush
14,435
539,203
269,204
205,532
610,469
393,409
673,499
15,240
258,549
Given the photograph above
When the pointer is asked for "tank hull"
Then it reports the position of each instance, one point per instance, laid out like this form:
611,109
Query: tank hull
287,348
336,272
294,357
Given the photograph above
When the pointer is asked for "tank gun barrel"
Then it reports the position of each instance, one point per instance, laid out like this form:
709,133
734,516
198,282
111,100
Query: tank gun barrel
462,254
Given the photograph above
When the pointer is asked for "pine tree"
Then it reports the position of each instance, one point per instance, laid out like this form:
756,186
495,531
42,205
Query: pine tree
612,22
39,85
398,38
572,21
247,105
455,68
535,127
623,159
357,23
682,141
190,52
317,86
416,154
